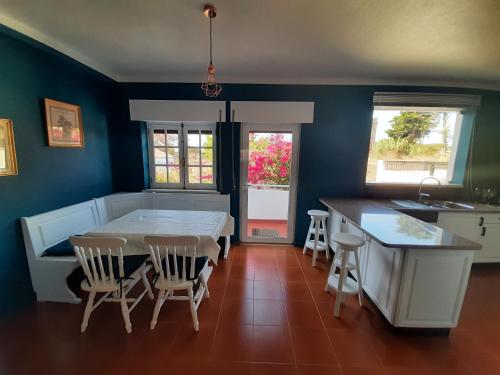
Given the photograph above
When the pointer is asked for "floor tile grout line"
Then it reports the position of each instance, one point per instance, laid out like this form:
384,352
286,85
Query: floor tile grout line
380,362
218,315
320,317
290,337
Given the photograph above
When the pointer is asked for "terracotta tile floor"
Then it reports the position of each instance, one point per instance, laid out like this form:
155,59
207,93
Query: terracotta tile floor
267,314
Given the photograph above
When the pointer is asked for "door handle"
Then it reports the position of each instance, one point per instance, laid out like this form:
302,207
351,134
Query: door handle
481,221
483,231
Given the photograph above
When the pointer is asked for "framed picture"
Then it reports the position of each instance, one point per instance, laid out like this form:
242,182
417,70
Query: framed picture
8,160
64,124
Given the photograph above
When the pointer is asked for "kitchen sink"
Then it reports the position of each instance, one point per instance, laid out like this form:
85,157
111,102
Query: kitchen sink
409,204
433,204
449,204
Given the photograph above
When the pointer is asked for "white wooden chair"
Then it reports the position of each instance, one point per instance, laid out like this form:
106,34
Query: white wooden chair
108,271
178,269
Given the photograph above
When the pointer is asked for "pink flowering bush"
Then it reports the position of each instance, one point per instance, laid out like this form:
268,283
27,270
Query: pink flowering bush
270,157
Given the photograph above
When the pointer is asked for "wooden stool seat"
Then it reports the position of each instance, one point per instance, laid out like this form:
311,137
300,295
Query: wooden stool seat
318,213
348,240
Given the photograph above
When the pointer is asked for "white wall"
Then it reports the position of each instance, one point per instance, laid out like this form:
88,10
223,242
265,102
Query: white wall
268,204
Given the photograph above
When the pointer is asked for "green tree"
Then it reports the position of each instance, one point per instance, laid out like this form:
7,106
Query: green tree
411,127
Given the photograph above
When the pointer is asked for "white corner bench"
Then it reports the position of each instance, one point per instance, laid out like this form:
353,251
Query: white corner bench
49,273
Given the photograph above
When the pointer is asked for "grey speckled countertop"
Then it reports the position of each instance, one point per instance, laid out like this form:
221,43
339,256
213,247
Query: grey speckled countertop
395,229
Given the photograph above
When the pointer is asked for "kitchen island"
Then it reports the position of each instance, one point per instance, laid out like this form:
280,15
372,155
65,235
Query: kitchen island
414,272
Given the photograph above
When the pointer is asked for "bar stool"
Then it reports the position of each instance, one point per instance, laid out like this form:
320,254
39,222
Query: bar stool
347,244
317,228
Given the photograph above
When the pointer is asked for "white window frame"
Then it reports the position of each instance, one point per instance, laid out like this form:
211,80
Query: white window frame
182,129
453,151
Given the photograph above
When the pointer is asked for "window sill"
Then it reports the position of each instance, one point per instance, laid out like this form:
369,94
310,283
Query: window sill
189,191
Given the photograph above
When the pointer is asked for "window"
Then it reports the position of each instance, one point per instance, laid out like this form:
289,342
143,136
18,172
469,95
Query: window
182,156
411,142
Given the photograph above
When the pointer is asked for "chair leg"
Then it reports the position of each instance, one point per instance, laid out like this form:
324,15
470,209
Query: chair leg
126,314
360,284
227,246
340,294
308,237
315,244
205,285
194,314
332,270
146,284
87,312
156,311
325,236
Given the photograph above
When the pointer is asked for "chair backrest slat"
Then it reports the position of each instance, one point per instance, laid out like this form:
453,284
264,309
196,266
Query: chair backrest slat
101,267
184,263
161,247
174,257
110,266
88,249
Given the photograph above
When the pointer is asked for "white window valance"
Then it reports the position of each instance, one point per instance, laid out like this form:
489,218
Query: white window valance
410,99
177,110
273,112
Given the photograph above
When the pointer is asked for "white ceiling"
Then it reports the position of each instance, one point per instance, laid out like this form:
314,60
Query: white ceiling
428,42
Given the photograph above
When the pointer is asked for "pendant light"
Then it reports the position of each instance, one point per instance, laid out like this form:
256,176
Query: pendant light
210,86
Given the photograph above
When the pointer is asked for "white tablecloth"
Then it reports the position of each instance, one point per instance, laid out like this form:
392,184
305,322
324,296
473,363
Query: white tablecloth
208,225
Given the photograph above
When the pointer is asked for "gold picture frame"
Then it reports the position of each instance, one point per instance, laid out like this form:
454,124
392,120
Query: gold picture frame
64,124
8,159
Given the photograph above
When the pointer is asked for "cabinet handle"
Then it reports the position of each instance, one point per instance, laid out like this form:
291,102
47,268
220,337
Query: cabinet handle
483,231
481,221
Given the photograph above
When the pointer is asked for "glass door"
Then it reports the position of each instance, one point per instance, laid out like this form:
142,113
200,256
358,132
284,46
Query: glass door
269,182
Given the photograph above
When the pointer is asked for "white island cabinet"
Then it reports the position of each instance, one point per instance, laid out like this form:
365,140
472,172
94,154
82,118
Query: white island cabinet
414,272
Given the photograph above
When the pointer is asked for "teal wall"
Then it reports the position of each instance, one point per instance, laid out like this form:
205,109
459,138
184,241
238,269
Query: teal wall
48,178
332,162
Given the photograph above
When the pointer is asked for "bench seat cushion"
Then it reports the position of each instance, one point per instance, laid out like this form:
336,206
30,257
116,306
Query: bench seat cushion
198,266
61,249
130,264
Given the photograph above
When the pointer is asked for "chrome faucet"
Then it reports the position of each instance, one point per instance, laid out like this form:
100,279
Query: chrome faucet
424,195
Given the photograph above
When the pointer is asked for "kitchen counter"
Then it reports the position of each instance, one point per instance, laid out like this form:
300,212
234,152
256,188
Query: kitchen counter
414,272
394,229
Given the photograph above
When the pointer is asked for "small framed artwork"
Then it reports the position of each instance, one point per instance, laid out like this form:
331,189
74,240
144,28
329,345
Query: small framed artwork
64,124
8,160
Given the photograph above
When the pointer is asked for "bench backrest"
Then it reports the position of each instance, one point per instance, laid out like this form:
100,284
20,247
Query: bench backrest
115,205
45,230
191,202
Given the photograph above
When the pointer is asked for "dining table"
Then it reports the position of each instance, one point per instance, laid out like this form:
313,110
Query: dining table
207,225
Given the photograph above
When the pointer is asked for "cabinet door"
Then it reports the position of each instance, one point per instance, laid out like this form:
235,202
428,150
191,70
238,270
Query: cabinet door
462,224
381,276
433,287
491,244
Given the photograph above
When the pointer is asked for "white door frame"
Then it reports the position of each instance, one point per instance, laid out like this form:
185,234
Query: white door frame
294,171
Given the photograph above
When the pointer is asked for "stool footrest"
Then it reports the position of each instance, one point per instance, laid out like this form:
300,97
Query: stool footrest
349,266
350,286
320,231
320,245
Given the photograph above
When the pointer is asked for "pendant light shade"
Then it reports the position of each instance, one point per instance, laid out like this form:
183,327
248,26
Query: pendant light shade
209,85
